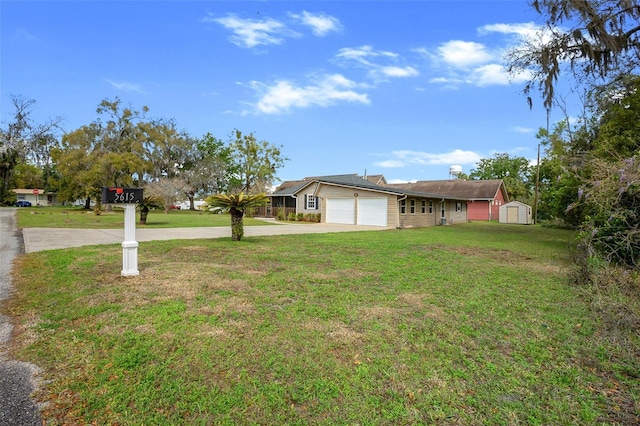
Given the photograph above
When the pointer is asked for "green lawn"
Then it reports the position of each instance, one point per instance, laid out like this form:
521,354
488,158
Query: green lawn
73,217
471,324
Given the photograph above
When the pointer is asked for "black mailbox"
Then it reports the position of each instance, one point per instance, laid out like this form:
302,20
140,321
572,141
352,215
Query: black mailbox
115,195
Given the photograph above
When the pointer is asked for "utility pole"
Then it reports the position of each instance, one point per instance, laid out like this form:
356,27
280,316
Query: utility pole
535,200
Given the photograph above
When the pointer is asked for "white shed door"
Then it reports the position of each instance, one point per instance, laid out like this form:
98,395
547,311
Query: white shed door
372,211
340,210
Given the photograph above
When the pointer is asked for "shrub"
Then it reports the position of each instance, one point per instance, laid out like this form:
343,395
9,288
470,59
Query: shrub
280,214
312,217
292,217
613,197
300,217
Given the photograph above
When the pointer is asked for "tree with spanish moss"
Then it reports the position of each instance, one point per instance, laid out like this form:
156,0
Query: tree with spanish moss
595,41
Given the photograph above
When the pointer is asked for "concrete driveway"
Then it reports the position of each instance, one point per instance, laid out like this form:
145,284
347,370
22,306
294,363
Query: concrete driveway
38,239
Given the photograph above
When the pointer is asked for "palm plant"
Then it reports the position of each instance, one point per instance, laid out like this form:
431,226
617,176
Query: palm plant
236,204
147,204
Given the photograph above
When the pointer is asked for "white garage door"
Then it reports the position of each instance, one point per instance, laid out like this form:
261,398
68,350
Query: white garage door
372,211
340,210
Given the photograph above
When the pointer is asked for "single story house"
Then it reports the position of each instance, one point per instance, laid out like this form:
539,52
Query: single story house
36,196
483,197
351,199
516,212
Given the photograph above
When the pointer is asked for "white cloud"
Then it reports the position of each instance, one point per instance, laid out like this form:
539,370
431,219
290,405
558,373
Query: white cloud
380,64
321,24
398,71
463,54
527,29
282,96
490,75
254,32
475,64
125,86
404,158
361,54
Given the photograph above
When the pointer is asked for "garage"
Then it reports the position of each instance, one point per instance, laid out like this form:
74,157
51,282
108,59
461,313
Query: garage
341,210
372,211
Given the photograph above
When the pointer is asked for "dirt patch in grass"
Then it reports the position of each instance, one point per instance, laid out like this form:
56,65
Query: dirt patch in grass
416,302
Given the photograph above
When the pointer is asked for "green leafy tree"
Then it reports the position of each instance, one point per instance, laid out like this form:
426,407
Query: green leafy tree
236,204
209,169
111,151
22,141
254,163
560,175
516,173
618,133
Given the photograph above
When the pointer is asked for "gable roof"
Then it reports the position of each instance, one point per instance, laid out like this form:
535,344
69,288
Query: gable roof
453,189
376,179
350,181
288,187
462,189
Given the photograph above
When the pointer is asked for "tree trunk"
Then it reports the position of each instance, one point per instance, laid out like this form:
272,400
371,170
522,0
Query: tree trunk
143,216
237,225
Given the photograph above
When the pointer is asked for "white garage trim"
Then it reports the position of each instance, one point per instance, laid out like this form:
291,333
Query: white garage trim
341,210
372,211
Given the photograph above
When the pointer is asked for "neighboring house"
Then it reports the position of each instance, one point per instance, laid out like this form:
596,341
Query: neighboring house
351,199
37,197
483,198
516,212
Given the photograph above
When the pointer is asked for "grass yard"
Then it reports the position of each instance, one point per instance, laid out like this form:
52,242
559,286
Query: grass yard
73,217
471,324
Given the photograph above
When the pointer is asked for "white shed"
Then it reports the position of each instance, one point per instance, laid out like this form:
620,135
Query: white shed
515,212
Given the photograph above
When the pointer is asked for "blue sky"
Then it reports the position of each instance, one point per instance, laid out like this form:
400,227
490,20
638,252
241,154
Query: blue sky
400,88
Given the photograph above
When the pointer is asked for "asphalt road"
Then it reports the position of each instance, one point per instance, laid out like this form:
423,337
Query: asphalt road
17,379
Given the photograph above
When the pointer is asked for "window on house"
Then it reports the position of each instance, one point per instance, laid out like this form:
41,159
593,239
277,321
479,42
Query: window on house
458,206
403,206
311,202
430,207
424,206
412,206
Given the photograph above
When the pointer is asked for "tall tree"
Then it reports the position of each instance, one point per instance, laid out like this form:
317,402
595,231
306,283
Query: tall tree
559,177
110,151
210,168
255,163
23,141
166,149
516,173
593,40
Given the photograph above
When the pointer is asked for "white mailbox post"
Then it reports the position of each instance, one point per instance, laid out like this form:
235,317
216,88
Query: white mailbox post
130,245
128,197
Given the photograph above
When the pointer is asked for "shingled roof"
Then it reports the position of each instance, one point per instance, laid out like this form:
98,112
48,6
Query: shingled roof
462,189
459,189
